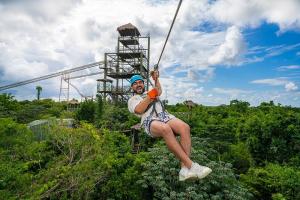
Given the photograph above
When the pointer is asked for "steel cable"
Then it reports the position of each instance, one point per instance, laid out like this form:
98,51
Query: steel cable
175,16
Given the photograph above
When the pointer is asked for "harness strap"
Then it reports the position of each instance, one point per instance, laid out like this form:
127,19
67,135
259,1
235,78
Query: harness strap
153,103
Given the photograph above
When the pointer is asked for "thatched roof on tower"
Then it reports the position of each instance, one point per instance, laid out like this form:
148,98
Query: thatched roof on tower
128,30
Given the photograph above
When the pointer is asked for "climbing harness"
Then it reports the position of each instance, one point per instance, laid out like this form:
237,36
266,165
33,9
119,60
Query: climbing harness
153,105
154,115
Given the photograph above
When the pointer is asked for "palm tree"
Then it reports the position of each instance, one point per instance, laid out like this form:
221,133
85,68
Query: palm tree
38,89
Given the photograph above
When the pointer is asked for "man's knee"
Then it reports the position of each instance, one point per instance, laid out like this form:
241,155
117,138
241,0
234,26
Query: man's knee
166,130
185,129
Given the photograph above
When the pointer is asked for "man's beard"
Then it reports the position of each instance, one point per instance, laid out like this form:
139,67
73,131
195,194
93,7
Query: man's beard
140,90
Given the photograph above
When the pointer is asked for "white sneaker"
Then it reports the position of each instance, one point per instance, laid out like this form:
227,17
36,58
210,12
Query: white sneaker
200,170
185,174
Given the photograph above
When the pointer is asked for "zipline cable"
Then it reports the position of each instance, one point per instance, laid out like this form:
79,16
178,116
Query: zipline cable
156,66
163,49
176,13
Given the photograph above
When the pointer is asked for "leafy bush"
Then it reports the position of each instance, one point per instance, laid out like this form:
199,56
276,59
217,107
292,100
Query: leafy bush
240,157
34,110
273,182
20,158
272,135
68,164
8,105
117,118
86,111
160,176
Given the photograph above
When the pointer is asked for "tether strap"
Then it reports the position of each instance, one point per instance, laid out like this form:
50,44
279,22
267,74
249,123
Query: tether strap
154,107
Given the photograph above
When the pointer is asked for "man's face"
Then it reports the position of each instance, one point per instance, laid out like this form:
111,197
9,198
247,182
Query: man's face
138,87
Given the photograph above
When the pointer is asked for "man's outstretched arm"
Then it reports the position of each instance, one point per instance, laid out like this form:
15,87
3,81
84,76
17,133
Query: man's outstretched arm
143,105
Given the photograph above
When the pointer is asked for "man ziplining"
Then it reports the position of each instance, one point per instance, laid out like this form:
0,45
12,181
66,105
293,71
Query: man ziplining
157,123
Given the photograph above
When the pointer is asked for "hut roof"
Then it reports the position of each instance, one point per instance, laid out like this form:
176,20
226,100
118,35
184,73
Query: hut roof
190,103
73,101
128,30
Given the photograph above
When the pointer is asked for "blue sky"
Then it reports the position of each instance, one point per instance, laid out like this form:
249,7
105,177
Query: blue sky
263,36
285,64
218,51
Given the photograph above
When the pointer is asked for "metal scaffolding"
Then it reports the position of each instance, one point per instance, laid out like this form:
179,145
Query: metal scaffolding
131,57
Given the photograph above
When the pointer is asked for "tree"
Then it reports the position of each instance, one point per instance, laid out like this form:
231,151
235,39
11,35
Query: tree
37,109
8,105
99,108
38,89
272,135
86,111
239,106
272,181
240,157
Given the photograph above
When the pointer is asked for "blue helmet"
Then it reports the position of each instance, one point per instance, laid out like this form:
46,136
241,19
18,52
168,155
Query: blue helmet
135,78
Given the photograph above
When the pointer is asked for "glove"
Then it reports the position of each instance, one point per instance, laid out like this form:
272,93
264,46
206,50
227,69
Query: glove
153,93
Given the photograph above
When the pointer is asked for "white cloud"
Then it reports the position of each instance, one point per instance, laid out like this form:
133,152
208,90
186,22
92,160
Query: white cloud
40,11
180,89
230,52
288,67
273,82
230,91
200,75
285,98
252,13
218,96
238,13
289,86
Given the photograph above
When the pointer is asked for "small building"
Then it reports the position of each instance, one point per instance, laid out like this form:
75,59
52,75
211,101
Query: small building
73,104
190,104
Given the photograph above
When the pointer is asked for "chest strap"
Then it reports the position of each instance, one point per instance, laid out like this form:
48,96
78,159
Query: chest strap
153,105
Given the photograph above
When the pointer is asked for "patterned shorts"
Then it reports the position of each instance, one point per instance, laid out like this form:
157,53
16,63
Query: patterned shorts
162,116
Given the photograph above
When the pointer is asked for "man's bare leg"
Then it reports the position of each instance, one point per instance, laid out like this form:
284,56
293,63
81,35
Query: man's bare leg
160,129
181,128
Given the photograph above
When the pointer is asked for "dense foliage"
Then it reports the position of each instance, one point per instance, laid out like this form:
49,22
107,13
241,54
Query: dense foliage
254,153
27,111
161,176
